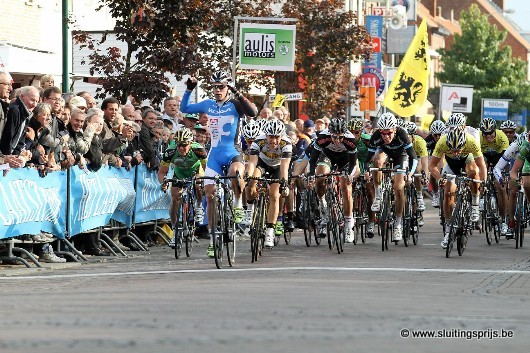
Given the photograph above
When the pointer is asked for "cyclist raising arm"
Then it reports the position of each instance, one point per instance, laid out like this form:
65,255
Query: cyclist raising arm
391,141
224,115
270,154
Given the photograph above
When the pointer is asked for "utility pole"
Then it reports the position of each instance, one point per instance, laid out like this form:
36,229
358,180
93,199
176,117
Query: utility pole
65,47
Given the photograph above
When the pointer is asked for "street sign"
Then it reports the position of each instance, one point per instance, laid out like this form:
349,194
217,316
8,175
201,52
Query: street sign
456,98
376,44
374,26
497,109
289,96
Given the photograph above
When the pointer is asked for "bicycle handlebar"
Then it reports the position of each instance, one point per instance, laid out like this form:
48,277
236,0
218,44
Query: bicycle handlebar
463,177
388,170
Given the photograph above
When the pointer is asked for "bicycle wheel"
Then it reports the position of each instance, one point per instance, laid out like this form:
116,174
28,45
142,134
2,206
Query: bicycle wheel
519,219
487,220
407,216
287,237
255,228
229,233
453,225
466,230
217,231
189,229
179,225
385,224
306,219
496,225
415,229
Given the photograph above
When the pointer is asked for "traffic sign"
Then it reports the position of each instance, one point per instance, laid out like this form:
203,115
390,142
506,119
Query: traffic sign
289,96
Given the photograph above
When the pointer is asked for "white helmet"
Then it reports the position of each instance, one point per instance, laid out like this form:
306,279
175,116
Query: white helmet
437,127
456,120
386,121
508,124
274,127
456,139
251,131
411,127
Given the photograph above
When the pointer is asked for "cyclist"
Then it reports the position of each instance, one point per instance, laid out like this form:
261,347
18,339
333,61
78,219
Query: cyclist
250,133
224,114
420,147
521,163
493,143
391,141
270,154
462,154
506,162
362,139
335,147
508,127
187,158
436,130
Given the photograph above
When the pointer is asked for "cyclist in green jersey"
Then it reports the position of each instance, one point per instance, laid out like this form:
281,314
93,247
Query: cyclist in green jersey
187,158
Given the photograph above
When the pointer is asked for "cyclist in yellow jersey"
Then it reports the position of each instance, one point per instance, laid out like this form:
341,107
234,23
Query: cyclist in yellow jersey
462,153
420,147
493,143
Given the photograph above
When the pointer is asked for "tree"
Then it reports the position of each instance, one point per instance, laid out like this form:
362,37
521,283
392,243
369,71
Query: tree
477,58
194,37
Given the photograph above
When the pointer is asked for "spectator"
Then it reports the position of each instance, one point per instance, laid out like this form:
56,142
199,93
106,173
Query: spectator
299,123
132,155
52,96
278,114
94,157
202,136
79,142
47,81
90,101
190,120
113,142
265,113
320,125
5,90
147,139
14,134
78,102
326,122
203,119
286,114
171,111
128,112
309,129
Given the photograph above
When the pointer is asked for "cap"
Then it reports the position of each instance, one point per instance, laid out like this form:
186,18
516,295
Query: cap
309,123
321,120
77,101
192,116
202,127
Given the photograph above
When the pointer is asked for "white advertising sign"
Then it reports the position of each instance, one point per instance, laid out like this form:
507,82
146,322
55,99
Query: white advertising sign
456,98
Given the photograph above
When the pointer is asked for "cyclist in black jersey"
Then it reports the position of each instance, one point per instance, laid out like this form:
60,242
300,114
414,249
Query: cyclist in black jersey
391,141
335,148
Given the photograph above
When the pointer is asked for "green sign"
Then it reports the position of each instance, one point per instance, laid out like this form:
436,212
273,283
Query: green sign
267,47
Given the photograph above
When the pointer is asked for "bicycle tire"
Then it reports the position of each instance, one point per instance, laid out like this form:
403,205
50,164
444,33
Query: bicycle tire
255,228
217,231
453,226
487,220
189,229
407,215
519,219
463,236
415,230
385,220
179,225
230,233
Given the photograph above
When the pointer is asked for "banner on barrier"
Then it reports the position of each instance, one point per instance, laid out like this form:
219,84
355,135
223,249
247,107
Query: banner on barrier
151,202
95,198
31,204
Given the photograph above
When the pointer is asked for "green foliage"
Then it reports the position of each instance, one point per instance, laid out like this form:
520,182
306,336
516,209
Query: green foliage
477,58
194,37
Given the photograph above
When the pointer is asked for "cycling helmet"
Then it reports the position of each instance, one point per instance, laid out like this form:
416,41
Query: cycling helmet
356,124
508,124
456,120
274,127
386,121
522,138
261,123
221,76
411,127
183,135
437,127
488,125
337,126
251,131
456,139
401,123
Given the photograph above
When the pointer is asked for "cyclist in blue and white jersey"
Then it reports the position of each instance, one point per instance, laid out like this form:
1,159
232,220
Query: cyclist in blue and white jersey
224,113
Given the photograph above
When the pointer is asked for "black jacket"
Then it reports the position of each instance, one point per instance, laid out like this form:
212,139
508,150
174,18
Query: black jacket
147,146
13,138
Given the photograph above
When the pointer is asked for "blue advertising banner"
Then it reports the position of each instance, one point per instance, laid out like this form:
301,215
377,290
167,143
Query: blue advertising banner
497,109
520,118
31,204
151,202
374,26
95,198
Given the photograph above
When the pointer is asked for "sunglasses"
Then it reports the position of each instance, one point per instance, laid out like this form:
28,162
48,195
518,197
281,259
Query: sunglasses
487,133
436,135
337,137
509,131
183,144
386,133
218,86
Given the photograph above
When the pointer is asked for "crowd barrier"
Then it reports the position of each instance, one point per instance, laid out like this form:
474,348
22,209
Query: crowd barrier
74,201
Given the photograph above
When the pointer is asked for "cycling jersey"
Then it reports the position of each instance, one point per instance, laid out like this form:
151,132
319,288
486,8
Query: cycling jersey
325,146
507,159
524,155
457,162
362,147
271,156
498,145
420,146
223,121
399,147
185,166
430,143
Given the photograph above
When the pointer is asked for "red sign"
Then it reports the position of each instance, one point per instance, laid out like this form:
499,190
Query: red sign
378,11
376,44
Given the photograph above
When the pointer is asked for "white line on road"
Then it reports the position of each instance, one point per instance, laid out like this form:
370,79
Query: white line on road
266,269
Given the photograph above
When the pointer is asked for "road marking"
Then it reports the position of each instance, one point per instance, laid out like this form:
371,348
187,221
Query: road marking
279,269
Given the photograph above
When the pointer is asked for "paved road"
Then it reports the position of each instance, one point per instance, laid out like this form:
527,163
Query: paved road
295,299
